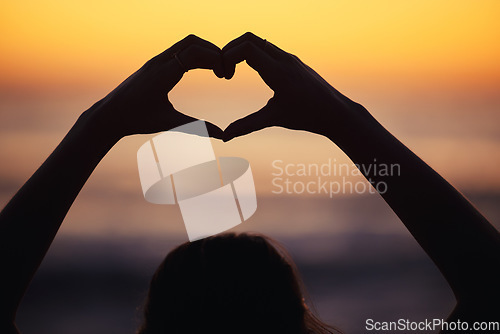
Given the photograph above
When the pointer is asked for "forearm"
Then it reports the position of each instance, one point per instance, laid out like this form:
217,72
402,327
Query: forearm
454,234
140,104
30,221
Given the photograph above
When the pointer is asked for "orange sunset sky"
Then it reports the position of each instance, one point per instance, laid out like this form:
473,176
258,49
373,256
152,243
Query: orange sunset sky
427,70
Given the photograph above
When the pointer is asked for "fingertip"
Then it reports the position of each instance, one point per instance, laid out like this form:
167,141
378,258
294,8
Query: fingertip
231,131
230,72
219,69
219,73
227,137
214,131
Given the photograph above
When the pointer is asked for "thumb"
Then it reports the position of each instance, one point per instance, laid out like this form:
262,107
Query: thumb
257,121
181,119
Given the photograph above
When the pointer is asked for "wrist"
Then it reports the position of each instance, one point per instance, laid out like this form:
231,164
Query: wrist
352,125
93,127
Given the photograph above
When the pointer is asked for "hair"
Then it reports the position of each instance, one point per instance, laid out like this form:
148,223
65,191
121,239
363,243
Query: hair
230,283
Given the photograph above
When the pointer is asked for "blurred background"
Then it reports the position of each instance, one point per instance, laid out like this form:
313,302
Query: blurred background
427,70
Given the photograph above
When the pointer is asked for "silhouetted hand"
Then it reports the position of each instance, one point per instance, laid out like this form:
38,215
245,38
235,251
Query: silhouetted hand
302,99
31,219
140,104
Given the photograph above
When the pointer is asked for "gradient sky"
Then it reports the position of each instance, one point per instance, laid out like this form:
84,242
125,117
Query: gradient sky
429,71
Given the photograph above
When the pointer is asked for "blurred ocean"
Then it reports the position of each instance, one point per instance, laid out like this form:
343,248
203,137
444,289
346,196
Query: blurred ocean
369,268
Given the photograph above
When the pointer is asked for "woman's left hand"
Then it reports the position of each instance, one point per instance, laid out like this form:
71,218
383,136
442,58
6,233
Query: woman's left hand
140,104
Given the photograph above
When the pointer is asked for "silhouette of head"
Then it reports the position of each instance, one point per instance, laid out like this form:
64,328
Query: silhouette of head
230,283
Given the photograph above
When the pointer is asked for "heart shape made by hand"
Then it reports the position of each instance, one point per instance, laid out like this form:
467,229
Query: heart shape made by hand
302,100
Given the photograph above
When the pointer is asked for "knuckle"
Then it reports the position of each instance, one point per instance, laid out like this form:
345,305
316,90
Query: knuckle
191,38
152,62
248,51
289,57
246,46
249,35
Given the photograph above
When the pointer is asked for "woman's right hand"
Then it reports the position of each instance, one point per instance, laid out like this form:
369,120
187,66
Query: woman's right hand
302,99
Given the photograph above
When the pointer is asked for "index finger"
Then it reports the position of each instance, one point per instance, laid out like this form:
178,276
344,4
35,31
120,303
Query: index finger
199,56
184,43
172,56
263,44
261,62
